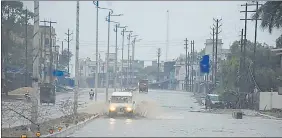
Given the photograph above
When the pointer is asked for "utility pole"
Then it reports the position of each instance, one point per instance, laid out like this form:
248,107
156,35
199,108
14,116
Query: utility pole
241,59
132,61
44,48
108,19
97,50
116,60
217,26
107,57
68,40
62,47
128,55
122,73
75,103
159,55
186,64
51,54
192,63
26,57
130,66
245,36
213,55
35,72
167,36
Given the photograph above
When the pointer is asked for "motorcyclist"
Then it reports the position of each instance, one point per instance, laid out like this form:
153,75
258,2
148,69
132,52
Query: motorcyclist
91,94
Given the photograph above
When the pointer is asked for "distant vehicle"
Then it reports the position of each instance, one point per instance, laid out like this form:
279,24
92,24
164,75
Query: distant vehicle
143,86
121,103
212,101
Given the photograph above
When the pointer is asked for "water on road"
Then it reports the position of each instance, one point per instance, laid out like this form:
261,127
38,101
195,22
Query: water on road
176,114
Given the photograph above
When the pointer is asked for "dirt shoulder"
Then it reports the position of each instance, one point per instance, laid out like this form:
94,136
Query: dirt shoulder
54,124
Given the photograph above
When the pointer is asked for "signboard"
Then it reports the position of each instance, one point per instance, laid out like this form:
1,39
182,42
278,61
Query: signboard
205,64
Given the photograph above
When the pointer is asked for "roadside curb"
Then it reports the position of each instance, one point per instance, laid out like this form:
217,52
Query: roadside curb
72,129
269,116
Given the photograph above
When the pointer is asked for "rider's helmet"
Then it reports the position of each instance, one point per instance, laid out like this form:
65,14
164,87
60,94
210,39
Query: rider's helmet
91,89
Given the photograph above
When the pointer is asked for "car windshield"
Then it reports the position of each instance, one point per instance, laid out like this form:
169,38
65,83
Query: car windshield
214,98
120,99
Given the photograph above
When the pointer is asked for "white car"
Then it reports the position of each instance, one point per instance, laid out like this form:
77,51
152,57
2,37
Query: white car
121,103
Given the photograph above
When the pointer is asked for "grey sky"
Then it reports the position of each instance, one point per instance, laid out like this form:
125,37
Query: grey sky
147,19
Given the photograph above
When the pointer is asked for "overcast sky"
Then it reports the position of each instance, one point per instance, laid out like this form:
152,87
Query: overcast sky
148,20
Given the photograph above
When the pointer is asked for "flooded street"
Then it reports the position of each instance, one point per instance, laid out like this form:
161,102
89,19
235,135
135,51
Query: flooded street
176,114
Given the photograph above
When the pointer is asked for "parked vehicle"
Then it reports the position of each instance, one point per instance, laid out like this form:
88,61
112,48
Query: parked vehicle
212,101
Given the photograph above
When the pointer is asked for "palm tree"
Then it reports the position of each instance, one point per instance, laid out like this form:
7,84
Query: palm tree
271,15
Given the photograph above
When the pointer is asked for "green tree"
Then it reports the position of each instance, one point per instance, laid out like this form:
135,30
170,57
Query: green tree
271,14
266,68
13,23
64,59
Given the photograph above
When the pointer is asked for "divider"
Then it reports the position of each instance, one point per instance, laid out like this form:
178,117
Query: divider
70,130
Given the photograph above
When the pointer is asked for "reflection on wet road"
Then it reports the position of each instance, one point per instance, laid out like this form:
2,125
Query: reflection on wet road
176,115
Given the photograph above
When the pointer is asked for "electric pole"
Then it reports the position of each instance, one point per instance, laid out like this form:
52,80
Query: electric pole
44,48
127,79
186,64
167,36
62,47
241,60
245,36
122,72
213,55
51,54
192,63
26,57
75,104
159,55
97,50
116,60
217,26
68,41
35,72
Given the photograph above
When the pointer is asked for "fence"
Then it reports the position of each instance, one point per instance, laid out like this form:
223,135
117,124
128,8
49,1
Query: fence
270,100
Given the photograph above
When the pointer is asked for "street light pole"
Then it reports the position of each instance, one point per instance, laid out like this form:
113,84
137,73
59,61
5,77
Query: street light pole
116,51
128,56
97,60
122,33
107,57
76,64
108,51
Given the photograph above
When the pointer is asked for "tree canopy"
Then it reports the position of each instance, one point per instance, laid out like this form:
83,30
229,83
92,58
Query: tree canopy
271,17
267,69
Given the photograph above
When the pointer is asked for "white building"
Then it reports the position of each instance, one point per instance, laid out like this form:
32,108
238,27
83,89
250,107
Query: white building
88,67
180,72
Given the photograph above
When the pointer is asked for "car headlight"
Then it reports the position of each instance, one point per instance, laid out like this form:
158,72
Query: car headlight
128,109
112,108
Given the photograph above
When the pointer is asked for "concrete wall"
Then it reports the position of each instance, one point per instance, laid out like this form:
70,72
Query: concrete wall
270,100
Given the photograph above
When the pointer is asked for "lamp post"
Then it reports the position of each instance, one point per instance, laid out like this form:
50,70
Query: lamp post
122,33
108,50
96,3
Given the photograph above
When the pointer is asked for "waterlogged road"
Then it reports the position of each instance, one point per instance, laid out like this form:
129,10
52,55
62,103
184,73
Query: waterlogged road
176,114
